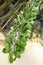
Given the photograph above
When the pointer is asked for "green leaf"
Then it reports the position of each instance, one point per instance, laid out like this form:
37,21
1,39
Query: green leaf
23,39
17,54
7,47
27,27
4,51
11,59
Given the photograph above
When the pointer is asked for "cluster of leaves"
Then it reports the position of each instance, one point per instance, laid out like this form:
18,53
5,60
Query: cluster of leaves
21,31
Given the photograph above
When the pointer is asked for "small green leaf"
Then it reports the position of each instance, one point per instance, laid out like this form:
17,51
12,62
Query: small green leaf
17,54
7,47
11,59
27,27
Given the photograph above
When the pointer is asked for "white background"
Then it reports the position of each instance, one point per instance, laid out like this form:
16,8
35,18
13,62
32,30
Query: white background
33,55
